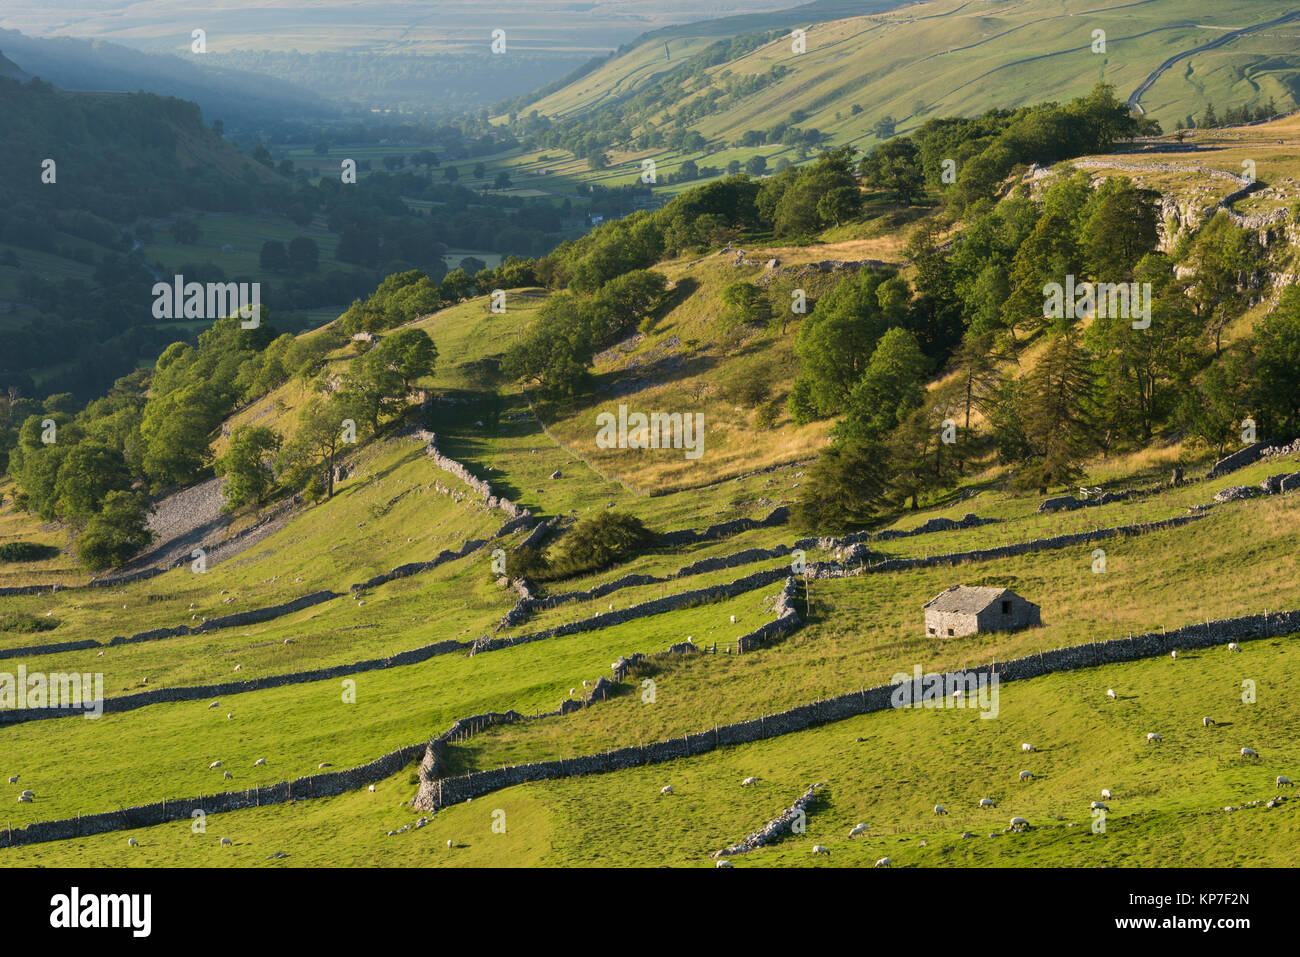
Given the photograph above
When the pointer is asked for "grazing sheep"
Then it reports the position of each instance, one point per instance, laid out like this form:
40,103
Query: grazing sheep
1028,748
259,762
1249,753
132,842
883,862
859,829
25,798
449,844
940,809
666,789
1233,646
748,781
1105,792
1026,775
227,842
239,667
572,692
324,764
214,705
214,765
228,776
987,802
28,794
1152,737
818,849
1174,654
1283,781
1110,693
733,619
584,682
1098,806
723,864
1018,824
13,779
372,789
1207,722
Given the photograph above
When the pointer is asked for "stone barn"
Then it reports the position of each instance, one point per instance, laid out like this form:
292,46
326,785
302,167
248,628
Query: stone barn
966,611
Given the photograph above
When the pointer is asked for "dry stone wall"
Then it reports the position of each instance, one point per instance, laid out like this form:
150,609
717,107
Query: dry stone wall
653,607
442,792
328,784
776,828
490,498
835,570
143,699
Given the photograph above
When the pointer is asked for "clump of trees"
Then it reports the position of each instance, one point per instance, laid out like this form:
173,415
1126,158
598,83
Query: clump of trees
93,468
593,544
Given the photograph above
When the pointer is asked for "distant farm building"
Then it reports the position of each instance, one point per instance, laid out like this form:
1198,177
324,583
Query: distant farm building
965,611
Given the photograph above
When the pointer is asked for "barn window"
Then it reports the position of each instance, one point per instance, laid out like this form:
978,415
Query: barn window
1006,608
949,632
932,631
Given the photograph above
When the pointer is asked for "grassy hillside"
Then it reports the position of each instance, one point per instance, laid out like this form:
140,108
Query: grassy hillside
887,770
938,58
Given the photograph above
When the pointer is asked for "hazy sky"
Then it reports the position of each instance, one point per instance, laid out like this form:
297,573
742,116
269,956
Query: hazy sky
410,26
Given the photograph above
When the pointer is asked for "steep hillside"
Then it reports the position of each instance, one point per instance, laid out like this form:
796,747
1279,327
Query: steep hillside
942,57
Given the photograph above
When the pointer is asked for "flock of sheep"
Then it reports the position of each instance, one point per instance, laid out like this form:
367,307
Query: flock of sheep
1020,824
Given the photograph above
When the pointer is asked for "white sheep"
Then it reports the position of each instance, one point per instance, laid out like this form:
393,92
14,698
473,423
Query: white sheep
372,789
1283,781
259,762
214,765
1110,693
1174,654
1026,775
1153,737
13,779
584,682
883,862
723,864
1018,824
214,704
25,798
28,793
239,667
818,849
1105,792
1098,806
228,776
1233,646
132,842
229,715
940,809
572,692
1028,748
748,781
449,844
1207,722
987,802
859,829
733,619
666,789
1249,753
227,842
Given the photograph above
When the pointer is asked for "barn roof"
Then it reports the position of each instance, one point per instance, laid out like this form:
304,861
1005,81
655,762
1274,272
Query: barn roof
960,598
